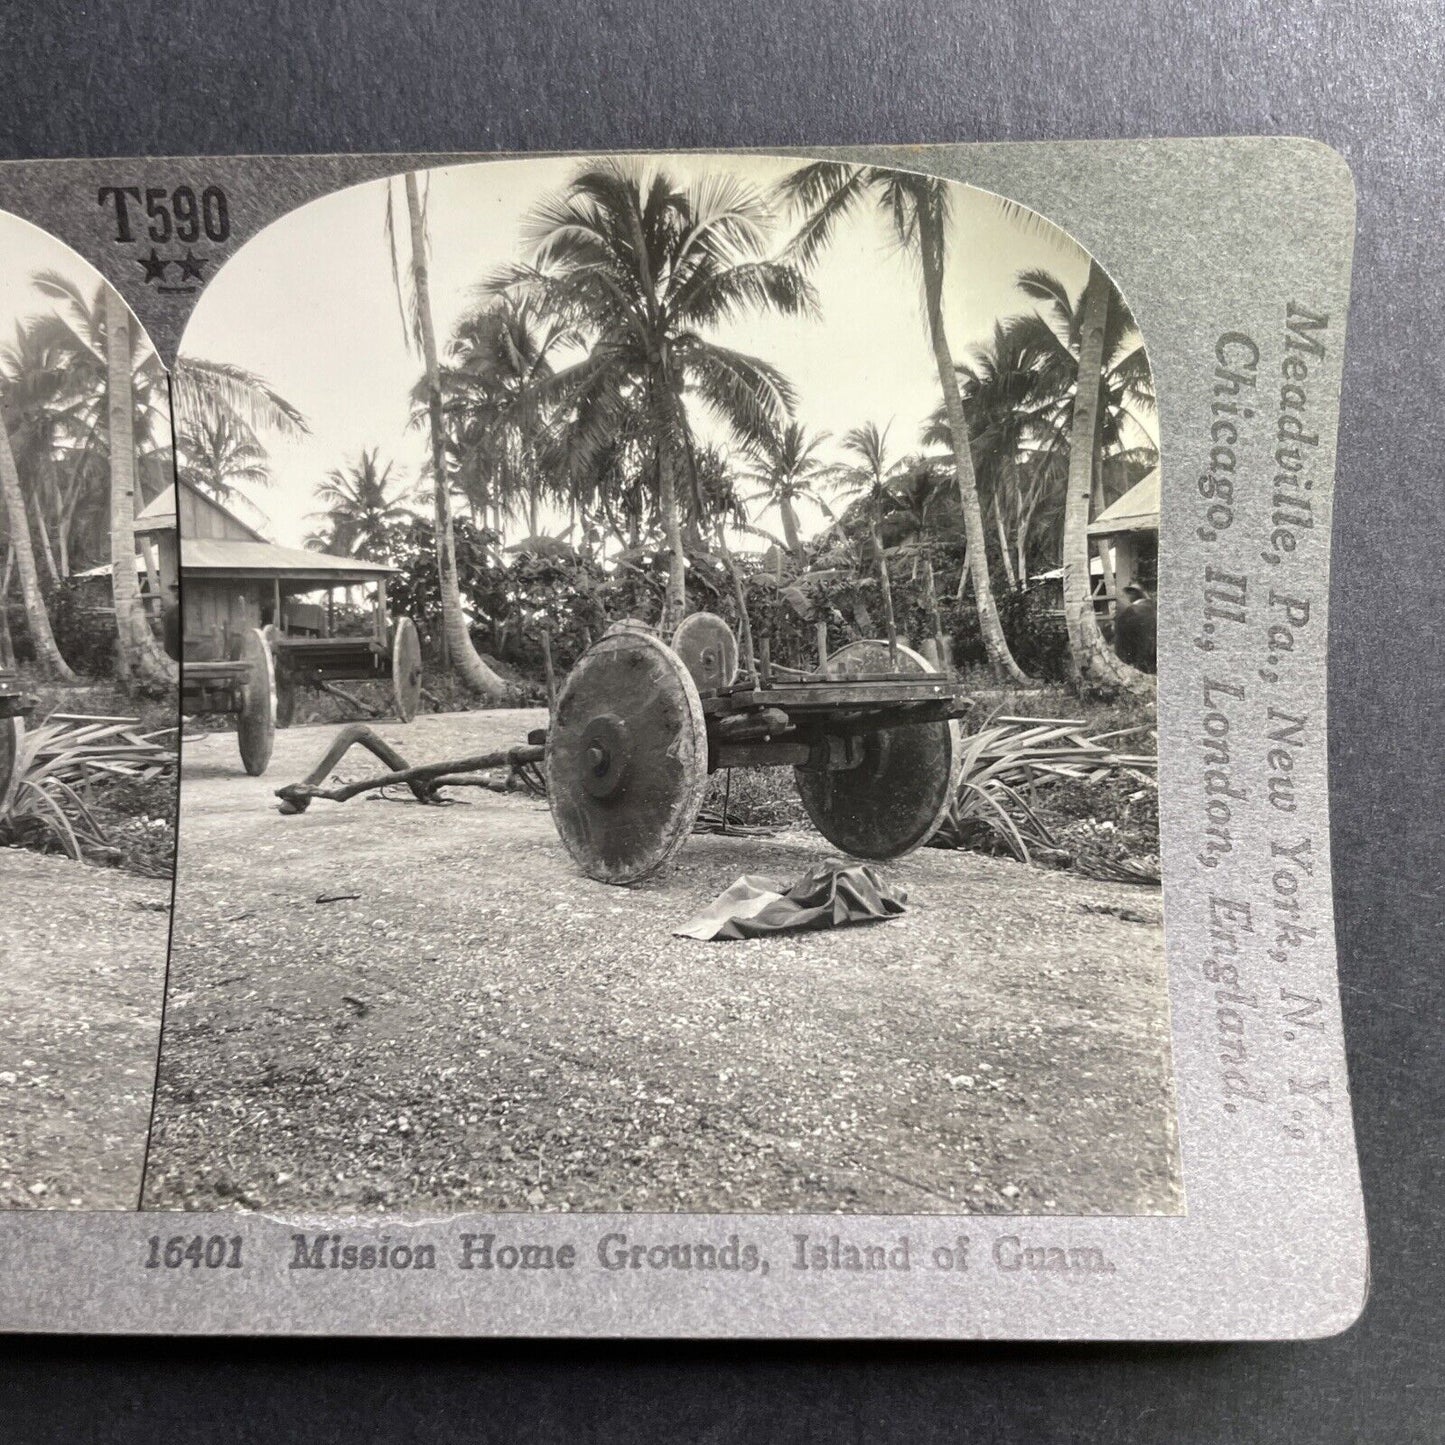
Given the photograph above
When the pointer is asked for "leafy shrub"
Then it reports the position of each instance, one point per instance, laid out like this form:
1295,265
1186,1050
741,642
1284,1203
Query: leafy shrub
84,633
95,791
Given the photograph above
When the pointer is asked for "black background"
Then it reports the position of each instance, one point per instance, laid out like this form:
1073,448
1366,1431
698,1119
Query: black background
196,78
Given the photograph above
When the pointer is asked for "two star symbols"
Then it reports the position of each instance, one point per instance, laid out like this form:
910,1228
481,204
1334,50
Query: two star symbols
154,265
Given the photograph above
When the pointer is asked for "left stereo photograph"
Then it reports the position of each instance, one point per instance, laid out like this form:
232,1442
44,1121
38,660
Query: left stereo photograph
89,722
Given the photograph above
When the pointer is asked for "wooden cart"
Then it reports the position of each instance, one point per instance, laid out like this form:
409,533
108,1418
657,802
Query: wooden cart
259,621
391,653
245,687
639,726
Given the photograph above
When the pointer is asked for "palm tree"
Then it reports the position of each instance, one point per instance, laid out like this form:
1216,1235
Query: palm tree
498,425
868,476
362,507
111,358
787,470
1010,425
218,452
37,620
644,268
917,207
105,351
43,409
203,389
142,660
917,488
1093,337
463,656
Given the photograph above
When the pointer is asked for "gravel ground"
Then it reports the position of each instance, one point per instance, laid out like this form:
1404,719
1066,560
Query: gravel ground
82,970
470,1023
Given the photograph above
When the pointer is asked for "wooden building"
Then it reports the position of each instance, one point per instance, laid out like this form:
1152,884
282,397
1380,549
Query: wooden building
1126,536
232,579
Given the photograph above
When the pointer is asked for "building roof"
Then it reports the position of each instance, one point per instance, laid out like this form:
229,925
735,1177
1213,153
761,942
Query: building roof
241,551
107,569
1136,511
227,557
159,514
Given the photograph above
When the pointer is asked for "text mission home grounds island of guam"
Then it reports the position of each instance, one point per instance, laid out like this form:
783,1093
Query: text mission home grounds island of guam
617,1252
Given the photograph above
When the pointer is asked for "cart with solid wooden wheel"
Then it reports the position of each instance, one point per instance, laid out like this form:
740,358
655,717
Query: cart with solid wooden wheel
244,686
390,654
639,726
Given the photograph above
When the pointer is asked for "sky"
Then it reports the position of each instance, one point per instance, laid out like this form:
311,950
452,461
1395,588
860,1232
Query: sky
24,250
310,305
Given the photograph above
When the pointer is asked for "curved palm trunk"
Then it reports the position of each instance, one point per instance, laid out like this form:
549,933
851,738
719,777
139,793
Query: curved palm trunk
930,226
1006,551
47,547
1026,522
56,492
37,620
143,662
466,661
7,644
1096,667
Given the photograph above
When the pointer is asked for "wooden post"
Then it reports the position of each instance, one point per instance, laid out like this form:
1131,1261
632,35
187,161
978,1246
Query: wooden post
379,623
821,629
331,611
547,669
153,576
935,621
276,621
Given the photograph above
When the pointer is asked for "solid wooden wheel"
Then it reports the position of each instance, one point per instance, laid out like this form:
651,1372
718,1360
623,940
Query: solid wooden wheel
630,624
708,649
405,668
256,723
626,757
894,800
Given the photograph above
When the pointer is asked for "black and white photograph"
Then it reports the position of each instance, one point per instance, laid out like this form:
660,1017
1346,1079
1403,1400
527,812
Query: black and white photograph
668,666
89,644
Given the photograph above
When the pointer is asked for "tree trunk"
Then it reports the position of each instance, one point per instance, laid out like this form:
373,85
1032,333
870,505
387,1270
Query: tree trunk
7,643
1026,522
47,547
1096,668
37,620
791,534
62,518
142,661
930,603
740,597
474,673
674,602
930,226
1003,548
885,582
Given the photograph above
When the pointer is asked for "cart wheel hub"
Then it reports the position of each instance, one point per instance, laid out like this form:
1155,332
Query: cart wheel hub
606,756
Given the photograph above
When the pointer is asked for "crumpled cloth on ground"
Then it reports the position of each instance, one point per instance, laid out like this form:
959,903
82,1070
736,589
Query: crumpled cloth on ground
831,894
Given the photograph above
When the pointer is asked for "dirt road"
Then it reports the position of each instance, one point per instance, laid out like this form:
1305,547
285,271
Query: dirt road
383,1006
82,969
